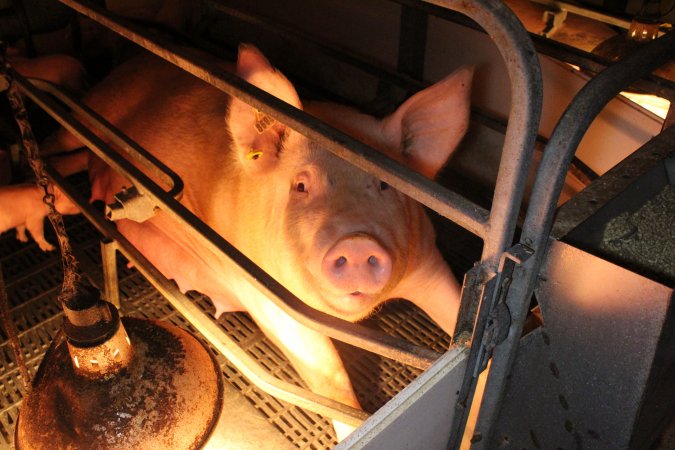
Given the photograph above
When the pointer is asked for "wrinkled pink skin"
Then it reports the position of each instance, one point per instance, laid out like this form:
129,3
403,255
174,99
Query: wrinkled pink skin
296,210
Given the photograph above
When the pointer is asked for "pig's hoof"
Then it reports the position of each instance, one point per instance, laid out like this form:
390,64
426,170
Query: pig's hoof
21,234
46,246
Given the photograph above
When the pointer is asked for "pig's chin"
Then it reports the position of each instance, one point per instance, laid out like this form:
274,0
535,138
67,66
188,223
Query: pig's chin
351,306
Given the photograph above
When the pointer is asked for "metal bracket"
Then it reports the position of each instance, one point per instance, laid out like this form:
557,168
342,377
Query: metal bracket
499,318
130,204
491,325
554,21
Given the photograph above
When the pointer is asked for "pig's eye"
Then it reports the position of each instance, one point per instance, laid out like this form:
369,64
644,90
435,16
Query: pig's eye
383,186
300,187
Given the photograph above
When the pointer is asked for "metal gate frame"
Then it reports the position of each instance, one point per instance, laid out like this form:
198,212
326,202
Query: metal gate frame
500,284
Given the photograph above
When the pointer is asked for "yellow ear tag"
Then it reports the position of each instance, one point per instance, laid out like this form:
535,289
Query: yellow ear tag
254,154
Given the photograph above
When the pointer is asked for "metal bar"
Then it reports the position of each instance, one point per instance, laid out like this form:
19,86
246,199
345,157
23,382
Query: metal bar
111,289
207,327
412,42
548,184
297,37
524,71
131,148
486,295
472,291
370,67
447,203
351,333
652,84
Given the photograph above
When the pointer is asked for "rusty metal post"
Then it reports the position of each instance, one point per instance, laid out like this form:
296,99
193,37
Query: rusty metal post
111,290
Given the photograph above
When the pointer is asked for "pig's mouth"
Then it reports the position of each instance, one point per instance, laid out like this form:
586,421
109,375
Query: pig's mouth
352,306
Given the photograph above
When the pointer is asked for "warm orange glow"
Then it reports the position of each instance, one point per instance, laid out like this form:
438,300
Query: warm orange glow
652,103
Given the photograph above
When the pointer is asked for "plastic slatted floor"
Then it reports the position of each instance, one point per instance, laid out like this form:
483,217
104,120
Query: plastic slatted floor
33,281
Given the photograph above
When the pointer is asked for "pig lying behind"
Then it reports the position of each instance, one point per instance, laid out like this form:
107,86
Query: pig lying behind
338,238
62,70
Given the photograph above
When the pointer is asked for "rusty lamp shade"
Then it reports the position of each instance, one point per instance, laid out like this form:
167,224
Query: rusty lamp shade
107,382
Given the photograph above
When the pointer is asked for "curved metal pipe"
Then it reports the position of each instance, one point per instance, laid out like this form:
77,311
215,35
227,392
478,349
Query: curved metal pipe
573,125
522,64
548,185
152,164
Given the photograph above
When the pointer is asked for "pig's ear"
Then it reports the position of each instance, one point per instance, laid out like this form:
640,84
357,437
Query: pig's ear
257,137
427,127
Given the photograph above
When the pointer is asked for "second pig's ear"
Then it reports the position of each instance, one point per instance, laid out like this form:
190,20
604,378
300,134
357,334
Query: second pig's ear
427,127
256,136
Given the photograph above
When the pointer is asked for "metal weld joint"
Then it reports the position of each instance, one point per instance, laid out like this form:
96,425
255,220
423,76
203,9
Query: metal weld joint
130,204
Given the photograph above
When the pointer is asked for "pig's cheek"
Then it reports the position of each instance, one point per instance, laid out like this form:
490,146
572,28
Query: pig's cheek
297,235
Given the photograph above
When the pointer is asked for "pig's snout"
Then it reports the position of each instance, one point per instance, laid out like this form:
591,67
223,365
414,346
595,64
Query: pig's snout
357,265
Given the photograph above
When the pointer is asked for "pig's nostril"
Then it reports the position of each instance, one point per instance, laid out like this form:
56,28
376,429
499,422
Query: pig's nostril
356,266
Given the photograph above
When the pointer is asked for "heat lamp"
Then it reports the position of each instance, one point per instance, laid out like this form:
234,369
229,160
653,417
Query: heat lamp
111,382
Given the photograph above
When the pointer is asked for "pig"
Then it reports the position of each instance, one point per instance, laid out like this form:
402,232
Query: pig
65,72
338,238
62,70
23,209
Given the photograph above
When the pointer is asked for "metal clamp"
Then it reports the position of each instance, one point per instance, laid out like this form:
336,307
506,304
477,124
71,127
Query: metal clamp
131,204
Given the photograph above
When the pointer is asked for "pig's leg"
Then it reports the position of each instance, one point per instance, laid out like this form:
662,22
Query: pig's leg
435,290
21,233
70,163
35,225
312,354
28,198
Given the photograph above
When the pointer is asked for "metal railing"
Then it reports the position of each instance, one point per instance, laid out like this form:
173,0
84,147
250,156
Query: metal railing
496,226
539,219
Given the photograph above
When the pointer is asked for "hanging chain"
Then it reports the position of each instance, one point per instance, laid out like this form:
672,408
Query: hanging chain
71,276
